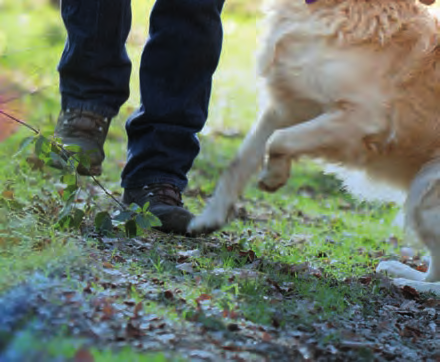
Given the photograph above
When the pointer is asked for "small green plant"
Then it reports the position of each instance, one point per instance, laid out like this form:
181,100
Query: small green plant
48,150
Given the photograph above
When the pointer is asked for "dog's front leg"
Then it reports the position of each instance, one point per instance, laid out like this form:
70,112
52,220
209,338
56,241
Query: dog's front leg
232,182
333,135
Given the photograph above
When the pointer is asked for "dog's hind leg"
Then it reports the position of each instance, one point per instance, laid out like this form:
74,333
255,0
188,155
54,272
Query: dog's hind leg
232,182
423,216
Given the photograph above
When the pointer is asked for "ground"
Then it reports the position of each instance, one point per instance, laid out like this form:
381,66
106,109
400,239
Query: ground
290,279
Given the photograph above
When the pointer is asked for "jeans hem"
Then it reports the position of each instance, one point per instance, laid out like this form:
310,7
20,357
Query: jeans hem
127,184
90,107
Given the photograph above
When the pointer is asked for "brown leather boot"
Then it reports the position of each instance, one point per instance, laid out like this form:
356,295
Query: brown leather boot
87,130
165,203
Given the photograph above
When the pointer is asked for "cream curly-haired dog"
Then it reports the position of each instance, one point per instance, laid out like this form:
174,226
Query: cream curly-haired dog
357,83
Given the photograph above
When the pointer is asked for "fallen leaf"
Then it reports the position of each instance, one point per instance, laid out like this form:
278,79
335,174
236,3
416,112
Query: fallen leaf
83,355
88,288
411,331
168,294
8,194
410,292
366,280
133,331
202,298
250,254
422,268
266,337
229,314
108,311
137,309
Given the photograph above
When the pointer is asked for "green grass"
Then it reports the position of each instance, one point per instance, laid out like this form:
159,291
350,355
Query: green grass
32,349
309,221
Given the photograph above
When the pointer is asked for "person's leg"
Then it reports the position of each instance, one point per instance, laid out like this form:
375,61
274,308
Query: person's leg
94,67
94,73
177,65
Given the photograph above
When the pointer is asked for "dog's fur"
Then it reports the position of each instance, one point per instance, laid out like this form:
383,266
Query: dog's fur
357,83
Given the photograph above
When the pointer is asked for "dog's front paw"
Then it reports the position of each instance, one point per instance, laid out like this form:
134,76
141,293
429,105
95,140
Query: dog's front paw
206,223
275,174
270,182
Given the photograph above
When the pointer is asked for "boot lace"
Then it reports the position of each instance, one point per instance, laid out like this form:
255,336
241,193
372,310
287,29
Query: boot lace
164,193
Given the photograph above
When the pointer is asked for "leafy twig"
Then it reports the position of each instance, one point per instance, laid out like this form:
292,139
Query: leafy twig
20,122
63,149
121,205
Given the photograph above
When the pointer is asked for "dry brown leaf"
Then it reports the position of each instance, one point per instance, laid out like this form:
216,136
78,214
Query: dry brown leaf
137,309
266,337
410,292
422,268
8,194
133,331
83,355
168,294
203,297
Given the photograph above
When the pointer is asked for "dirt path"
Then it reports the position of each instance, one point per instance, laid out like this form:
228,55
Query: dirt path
111,306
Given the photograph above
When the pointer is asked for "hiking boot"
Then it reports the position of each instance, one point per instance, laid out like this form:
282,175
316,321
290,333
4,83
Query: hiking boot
165,202
87,130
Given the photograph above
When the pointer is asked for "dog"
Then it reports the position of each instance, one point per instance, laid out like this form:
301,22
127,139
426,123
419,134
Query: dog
355,83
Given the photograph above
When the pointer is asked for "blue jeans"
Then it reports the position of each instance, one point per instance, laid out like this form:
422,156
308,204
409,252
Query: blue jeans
176,70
